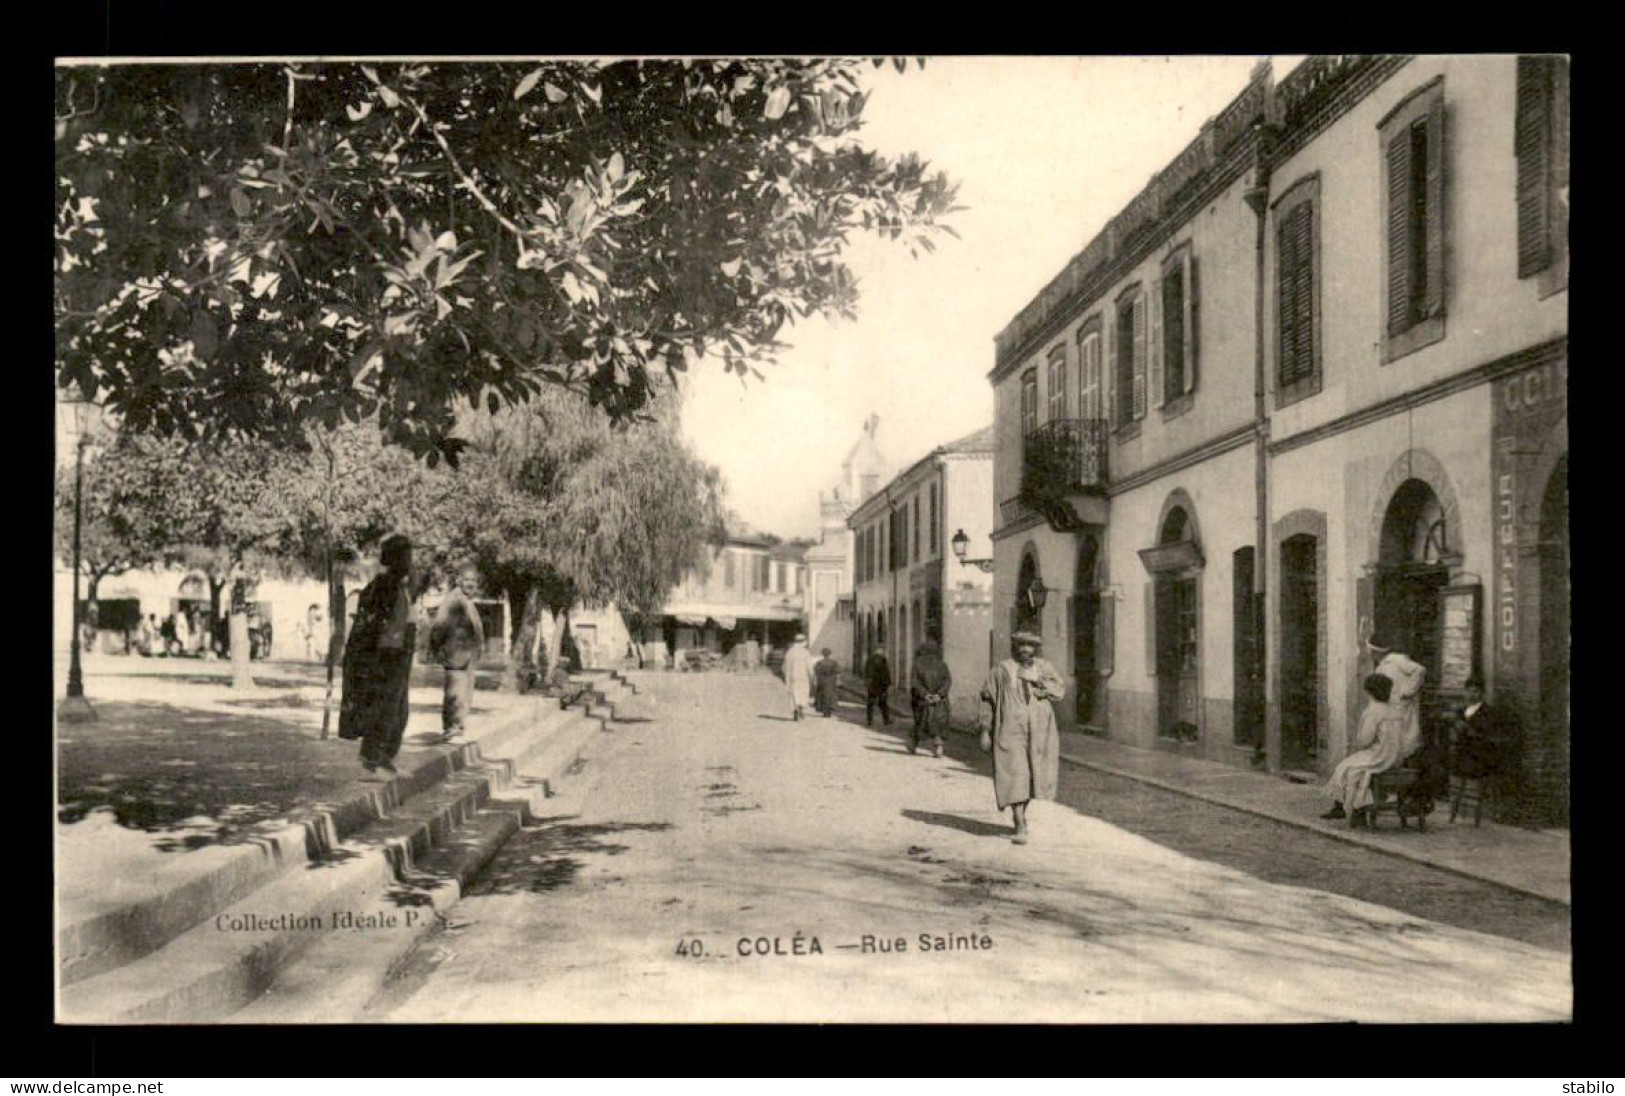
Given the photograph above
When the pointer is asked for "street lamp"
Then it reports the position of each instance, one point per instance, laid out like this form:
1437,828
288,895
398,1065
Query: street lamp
961,545
74,707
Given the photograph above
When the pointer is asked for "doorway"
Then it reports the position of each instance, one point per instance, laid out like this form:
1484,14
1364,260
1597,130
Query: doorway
1085,621
1176,658
1300,669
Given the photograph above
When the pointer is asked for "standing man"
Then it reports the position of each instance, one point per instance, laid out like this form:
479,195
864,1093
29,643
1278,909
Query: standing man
378,660
827,673
928,690
456,641
798,673
877,687
1018,728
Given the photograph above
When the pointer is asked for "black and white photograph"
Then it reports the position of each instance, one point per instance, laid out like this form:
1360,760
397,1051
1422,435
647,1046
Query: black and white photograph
845,540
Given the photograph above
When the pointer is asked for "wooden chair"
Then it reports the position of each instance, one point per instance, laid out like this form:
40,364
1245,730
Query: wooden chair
1467,791
1394,791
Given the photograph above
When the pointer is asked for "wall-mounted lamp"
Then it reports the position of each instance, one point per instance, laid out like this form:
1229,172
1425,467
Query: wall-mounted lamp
961,545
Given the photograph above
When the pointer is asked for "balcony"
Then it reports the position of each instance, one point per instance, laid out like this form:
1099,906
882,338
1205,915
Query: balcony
1063,472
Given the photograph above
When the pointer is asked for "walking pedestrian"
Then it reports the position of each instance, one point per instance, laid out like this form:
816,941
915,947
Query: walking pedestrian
827,674
928,688
798,675
183,632
877,688
147,638
1017,722
456,641
378,660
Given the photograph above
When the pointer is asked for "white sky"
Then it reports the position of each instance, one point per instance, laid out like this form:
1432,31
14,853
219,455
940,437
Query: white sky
1046,150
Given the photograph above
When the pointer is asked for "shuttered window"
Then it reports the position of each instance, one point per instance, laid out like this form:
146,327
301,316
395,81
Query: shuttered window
1055,381
1131,358
1413,154
1540,133
1029,402
1090,404
1175,352
935,520
1295,293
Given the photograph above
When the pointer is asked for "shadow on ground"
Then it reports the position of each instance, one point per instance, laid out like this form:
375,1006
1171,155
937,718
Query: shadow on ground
972,826
195,776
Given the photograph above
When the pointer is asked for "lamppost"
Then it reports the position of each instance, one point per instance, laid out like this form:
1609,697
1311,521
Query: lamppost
74,707
961,545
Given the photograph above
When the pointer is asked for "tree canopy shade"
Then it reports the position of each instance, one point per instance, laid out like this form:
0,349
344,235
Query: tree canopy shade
247,249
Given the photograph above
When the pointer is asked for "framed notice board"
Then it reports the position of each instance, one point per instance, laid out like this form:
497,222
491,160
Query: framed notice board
1460,611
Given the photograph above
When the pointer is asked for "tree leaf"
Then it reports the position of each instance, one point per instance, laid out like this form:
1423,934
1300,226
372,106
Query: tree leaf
527,84
553,93
778,101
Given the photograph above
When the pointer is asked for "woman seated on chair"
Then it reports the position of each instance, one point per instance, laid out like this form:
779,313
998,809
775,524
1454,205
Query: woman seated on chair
1377,748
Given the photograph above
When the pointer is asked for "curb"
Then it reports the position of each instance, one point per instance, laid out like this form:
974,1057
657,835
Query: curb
1285,818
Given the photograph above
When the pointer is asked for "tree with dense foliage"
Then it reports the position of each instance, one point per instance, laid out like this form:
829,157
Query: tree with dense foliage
560,507
248,249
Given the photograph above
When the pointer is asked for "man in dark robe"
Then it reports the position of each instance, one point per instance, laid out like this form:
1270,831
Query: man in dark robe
877,687
826,679
378,661
928,690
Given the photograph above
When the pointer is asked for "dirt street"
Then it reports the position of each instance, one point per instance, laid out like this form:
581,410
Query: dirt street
722,863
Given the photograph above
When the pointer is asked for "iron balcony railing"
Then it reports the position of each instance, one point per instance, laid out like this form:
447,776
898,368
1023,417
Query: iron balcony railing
1062,457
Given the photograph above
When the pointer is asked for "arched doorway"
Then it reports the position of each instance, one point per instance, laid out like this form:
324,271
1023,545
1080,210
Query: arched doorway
1411,568
1177,625
1554,639
1085,623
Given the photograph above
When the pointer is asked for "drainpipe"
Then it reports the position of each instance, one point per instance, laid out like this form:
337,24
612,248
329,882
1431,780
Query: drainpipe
1257,198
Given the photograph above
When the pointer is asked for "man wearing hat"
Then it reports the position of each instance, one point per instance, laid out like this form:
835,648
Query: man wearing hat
1018,728
798,675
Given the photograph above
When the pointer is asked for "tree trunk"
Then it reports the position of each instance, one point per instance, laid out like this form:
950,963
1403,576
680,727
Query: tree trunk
337,625
242,676
521,653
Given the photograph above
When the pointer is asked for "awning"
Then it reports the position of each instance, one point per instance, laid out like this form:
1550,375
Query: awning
691,620
726,623
729,614
1166,558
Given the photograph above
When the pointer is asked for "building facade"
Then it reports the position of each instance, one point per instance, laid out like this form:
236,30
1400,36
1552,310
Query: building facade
829,606
908,585
1310,385
748,590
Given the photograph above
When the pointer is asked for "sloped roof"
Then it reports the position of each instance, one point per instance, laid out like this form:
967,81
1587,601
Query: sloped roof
979,442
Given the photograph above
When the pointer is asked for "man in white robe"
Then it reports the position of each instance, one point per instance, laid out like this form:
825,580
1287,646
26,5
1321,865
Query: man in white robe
798,675
1407,677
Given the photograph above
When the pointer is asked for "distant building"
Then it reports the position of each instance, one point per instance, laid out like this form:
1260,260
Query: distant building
1311,382
748,589
909,586
830,562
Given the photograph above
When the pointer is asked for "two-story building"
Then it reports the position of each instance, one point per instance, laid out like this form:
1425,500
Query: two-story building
908,584
1307,386
748,589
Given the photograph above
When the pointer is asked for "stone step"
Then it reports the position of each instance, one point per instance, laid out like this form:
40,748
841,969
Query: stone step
218,966
192,889
335,978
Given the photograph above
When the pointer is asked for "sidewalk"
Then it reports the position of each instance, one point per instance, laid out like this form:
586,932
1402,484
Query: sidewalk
1531,861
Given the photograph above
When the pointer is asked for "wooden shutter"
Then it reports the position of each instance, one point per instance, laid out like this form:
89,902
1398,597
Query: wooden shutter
1295,294
1433,301
1151,629
1138,355
1117,368
1156,375
1106,641
1192,317
1399,232
1532,144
